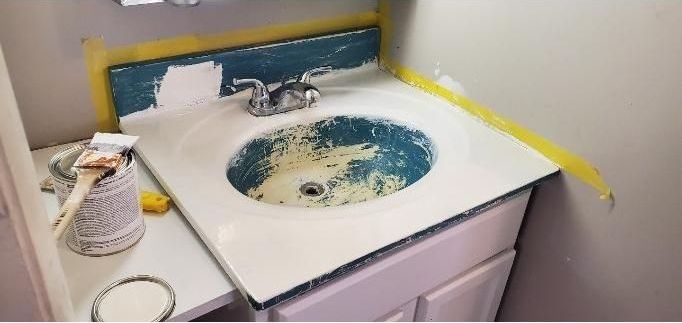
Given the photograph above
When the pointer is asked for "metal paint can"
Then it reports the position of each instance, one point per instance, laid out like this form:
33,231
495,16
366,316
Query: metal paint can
110,220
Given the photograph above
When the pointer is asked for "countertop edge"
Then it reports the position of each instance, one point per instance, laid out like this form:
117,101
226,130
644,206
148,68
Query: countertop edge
418,236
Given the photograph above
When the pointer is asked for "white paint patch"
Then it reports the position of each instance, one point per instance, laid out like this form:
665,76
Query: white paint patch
436,72
447,82
189,85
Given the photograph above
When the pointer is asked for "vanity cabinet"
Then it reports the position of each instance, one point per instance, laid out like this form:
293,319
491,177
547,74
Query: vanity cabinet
457,274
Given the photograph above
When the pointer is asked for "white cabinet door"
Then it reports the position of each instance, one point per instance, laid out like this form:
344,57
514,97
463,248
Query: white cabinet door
472,296
404,313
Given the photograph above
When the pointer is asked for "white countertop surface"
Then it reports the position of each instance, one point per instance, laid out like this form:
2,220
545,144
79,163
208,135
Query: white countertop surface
169,249
273,252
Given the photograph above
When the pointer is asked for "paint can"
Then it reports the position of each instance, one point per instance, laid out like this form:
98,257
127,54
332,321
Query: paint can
110,219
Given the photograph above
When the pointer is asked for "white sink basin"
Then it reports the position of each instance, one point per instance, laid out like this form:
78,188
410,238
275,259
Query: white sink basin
253,219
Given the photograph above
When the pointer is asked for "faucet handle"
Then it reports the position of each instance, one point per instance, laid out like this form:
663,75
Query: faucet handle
260,96
305,77
257,85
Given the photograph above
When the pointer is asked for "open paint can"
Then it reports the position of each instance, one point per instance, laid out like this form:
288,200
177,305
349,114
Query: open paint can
110,219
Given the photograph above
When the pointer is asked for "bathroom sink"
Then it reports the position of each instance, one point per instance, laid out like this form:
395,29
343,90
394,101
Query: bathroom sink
334,161
289,201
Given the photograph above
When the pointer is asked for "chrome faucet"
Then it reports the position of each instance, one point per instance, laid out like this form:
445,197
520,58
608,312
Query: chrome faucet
290,96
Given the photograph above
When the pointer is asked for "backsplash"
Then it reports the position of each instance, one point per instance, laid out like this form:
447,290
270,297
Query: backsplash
202,77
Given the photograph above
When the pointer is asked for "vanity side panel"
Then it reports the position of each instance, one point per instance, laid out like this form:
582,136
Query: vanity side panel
377,289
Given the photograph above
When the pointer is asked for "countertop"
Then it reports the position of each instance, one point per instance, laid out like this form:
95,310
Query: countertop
169,249
274,252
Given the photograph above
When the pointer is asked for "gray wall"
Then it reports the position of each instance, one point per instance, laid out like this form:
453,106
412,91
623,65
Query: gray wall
603,79
42,44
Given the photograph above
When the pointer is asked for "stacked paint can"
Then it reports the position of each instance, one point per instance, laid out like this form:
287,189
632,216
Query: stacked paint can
110,220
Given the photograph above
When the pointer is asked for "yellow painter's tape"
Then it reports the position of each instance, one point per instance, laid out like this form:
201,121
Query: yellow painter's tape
566,160
96,62
98,58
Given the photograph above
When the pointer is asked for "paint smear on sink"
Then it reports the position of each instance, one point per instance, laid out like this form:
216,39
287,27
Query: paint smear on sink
328,167
352,159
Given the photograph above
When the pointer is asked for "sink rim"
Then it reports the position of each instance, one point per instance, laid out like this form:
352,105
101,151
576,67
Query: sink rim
337,101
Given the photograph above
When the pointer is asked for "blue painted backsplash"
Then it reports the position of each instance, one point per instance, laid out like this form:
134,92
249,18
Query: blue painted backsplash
134,85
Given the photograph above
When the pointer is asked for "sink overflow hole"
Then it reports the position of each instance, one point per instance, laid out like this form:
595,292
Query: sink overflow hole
311,189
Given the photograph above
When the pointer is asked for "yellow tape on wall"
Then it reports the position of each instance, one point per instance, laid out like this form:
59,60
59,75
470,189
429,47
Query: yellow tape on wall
98,58
96,61
566,160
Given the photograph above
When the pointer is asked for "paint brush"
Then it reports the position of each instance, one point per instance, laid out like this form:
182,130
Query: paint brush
104,154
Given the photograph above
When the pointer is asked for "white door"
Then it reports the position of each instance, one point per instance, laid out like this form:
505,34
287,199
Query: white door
32,283
472,296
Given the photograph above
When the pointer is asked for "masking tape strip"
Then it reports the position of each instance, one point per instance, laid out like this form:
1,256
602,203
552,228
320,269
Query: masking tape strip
566,160
96,61
98,58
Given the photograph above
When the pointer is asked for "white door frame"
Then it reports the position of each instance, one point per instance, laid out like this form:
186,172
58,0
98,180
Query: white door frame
32,283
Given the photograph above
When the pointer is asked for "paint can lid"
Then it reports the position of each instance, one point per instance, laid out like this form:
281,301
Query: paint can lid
61,164
141,298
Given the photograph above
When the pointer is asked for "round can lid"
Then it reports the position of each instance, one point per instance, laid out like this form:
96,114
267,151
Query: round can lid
61,164
141,298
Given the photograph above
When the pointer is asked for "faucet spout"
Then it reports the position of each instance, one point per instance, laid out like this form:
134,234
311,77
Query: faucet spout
305,77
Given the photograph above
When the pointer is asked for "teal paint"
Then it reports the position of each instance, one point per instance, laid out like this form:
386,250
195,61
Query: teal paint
379,158
133,85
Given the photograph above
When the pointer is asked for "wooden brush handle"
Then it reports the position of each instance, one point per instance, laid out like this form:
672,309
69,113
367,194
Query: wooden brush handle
87,178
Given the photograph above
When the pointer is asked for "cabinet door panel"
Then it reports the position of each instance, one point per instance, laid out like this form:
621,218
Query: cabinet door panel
404,313
472,296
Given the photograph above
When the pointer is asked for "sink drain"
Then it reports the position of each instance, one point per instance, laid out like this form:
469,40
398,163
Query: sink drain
311,189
